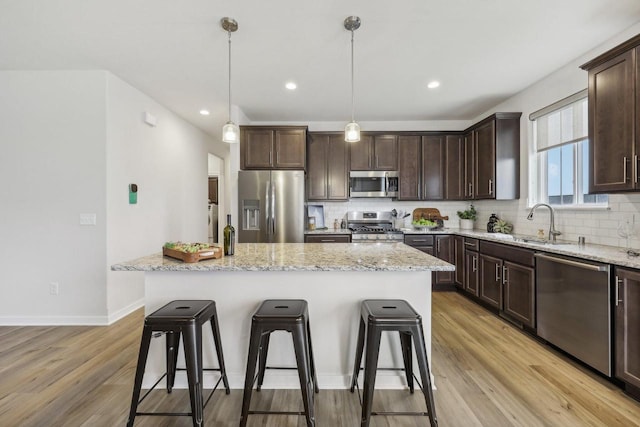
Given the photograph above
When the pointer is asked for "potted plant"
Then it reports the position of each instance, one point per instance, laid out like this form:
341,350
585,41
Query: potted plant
467,218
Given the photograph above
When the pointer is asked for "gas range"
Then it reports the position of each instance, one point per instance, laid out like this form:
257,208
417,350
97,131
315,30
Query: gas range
373,226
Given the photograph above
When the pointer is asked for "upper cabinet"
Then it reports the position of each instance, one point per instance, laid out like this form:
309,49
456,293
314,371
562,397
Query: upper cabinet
409,167
494,172
379,152
614,94
327,167
273,147
454,167
433,167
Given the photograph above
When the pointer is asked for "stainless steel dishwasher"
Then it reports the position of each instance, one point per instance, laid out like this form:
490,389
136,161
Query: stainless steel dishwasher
573,308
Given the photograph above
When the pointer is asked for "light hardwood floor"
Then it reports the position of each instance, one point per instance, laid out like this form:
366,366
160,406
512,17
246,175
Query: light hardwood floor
487,372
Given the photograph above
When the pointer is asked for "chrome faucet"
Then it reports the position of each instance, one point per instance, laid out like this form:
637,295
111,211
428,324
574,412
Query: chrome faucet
552,226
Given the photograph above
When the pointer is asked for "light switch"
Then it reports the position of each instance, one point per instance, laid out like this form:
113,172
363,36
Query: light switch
87,219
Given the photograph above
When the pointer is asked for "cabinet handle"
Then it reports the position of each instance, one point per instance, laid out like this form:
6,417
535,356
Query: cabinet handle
635,168
624,169
474,264
438,246
471,190
497,273
490,186
469,244
270,158
419,240
505,276
327,240
618,300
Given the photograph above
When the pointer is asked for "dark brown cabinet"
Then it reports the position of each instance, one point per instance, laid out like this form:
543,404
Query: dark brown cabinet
469,170
519,292
485,160
471,273
490,280
627,325
444,251
433,174
273,147
327,238
454,168
375,152
409,167
213,190
614,90
458,258
327,167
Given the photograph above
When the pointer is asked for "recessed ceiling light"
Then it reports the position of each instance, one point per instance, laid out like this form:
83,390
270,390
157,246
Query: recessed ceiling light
204,112
291,85
434,84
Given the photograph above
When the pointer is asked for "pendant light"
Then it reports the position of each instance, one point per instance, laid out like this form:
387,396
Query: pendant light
230,131
352,130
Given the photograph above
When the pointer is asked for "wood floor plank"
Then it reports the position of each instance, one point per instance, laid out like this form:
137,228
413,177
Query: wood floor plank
487,372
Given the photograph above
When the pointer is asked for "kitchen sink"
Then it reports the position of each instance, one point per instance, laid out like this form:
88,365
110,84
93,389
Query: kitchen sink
540,241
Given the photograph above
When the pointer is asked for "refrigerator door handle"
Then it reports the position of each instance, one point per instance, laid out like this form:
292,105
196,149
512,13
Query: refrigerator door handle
273,208
267,199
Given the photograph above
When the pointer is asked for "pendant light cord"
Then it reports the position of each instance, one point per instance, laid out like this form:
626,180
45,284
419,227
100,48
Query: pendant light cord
229,75
352,88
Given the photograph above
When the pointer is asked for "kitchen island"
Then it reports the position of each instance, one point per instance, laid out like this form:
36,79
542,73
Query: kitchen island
334,278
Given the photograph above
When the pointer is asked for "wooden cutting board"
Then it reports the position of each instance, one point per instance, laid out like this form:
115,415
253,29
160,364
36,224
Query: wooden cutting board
428,213
208,253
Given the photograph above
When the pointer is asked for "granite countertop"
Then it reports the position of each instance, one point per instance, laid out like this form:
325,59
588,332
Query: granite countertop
598,253
301,257
330,230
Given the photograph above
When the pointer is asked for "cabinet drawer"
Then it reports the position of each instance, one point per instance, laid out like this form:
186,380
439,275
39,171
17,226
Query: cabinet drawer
471,244
418,240
327,238
508,253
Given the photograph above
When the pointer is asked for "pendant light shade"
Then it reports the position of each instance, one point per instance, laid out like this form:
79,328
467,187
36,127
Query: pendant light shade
352,130
230,131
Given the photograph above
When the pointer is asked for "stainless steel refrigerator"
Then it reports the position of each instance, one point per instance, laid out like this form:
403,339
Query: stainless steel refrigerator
271,206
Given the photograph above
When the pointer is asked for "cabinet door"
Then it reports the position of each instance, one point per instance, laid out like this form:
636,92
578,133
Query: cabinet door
317,167
458,257
519,291
409,167
213,190
469,167
290,148
256,148
337,168
454,168
444,251
471,272
385,153
485,161
433,167
491,280
361,153
627,307
611,122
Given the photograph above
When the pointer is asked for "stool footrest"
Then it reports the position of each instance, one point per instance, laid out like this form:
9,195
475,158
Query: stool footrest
413,414
276,413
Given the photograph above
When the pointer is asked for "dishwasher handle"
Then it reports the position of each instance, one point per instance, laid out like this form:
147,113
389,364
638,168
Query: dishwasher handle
578,264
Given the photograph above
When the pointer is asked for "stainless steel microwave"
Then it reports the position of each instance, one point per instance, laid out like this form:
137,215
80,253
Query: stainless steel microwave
373,184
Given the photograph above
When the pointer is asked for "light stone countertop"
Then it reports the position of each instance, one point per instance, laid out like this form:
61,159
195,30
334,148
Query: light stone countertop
301,257
599,253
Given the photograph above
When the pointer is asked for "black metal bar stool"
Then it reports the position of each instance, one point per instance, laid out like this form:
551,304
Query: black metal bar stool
281,315
180,318
378,316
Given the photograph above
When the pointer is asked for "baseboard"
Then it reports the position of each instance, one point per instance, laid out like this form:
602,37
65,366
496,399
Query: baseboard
119,314
53,320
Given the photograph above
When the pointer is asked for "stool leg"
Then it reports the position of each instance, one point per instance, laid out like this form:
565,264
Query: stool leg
192,335
142,362
172,340
423,363
300,345
370,366
215,329
254,344
405,343
262,358
314,377
359,349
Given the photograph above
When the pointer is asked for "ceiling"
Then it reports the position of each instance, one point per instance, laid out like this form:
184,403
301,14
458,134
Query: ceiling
482,51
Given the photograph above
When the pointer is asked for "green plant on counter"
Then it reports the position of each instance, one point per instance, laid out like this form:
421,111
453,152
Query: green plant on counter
470,213
502,226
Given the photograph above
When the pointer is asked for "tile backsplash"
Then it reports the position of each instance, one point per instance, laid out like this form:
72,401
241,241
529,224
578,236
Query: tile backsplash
597,226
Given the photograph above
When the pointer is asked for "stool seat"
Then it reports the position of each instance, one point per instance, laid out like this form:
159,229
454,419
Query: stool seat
389,311
180,318
292,316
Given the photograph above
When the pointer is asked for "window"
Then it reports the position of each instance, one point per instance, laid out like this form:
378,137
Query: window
561,154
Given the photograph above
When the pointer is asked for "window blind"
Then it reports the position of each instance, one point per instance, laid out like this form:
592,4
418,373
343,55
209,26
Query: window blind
562,123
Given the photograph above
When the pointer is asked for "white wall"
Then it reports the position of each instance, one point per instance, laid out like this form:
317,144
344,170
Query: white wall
72,141
52,168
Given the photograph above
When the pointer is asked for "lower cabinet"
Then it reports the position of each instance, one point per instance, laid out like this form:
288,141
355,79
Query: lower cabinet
627,325
519,292
458,260
470,277
440,246
491,280
327,238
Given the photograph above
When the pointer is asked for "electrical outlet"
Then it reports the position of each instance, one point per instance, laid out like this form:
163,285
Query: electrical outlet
53,288
87,219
